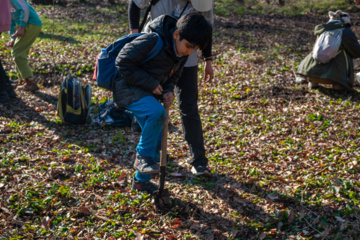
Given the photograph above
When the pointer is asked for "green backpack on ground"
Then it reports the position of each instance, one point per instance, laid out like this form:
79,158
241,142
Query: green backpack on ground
74,101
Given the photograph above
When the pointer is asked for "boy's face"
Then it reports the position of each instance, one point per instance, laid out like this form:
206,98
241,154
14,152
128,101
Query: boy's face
183,47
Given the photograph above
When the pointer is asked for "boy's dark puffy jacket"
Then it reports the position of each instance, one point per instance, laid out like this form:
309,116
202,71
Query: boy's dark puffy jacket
136,81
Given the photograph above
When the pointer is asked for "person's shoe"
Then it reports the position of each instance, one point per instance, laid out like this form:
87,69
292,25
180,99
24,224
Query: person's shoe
312,85
200,170
147,186
15,81
4,97
146,165
10,91
300,79
29,86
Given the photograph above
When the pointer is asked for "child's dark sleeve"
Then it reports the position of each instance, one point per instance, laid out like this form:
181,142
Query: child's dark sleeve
169,85
206,52
129,59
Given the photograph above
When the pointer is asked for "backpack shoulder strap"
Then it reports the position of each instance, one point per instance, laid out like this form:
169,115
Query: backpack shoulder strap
152,3
156,49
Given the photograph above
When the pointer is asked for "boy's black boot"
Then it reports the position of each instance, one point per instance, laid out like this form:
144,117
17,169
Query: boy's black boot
147,186
4,97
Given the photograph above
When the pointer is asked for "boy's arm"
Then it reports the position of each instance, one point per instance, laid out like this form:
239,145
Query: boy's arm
209,72
207,51
129,59
134,17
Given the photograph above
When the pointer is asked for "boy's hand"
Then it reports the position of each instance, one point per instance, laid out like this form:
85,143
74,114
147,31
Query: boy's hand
168,99
209,72
19,32
158,90
10,43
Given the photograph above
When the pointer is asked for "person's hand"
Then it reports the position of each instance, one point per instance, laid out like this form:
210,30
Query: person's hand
132,31
158,90
168,99
357,1
10,44
209,72
19,32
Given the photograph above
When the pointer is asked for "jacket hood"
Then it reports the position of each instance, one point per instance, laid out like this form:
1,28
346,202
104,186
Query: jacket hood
331,25
163,25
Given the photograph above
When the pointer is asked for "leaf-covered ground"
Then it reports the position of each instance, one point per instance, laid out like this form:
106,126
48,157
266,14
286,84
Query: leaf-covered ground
285,159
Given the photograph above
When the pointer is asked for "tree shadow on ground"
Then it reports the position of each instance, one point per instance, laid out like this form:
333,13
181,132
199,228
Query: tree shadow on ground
18,110
46,97
58,38
351,95
204,223
298,93
285,215
246,33
93,141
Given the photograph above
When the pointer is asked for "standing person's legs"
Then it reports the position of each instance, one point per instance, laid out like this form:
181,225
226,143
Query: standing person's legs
187,94
5,84
151,117
20,53
4,97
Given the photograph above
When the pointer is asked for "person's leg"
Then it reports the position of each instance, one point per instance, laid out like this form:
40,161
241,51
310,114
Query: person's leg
20,53
4,97
187,94
150,115
5,84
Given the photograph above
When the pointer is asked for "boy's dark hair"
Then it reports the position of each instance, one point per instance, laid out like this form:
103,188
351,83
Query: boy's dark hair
194,28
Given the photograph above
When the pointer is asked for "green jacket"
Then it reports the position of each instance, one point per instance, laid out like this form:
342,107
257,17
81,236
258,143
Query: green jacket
341,68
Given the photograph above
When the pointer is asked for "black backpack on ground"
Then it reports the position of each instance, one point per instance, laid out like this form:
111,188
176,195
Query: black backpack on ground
74,101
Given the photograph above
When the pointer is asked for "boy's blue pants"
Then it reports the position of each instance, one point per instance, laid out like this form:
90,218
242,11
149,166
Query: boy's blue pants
151,116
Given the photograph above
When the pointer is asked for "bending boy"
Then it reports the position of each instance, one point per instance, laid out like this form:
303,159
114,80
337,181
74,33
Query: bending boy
186,88
139,86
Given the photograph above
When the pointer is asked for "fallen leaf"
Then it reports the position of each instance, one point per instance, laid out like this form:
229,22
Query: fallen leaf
262,236
45,223
99,217
291,216
85,210
340,219
5,210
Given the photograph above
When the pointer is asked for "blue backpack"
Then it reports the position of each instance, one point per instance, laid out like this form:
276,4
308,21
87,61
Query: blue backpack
105,69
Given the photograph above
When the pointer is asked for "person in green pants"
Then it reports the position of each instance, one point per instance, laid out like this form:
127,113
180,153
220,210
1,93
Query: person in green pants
25,27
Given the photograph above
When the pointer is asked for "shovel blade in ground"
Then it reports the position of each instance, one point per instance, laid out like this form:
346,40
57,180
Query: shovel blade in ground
162,201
